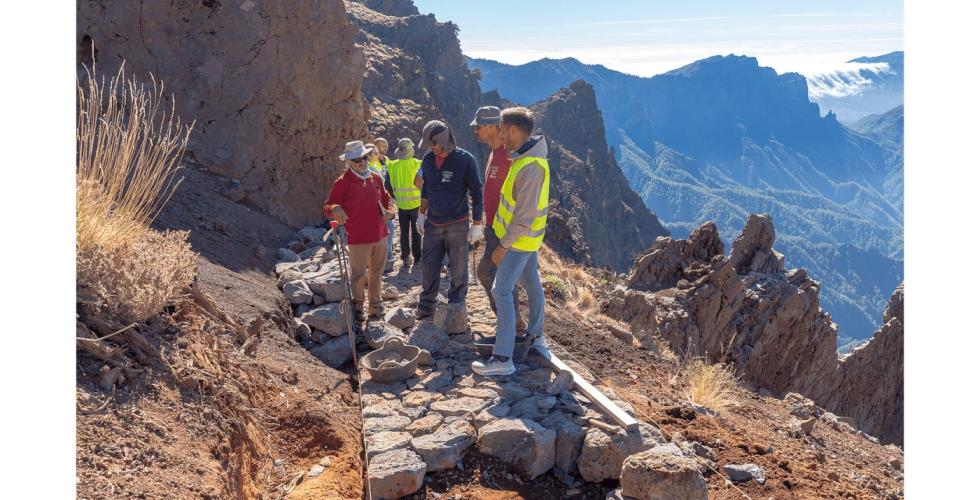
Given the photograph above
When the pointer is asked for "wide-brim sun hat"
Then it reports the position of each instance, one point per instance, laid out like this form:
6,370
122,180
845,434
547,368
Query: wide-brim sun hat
355,149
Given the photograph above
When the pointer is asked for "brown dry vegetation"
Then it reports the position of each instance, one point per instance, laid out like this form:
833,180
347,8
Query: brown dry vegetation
129,148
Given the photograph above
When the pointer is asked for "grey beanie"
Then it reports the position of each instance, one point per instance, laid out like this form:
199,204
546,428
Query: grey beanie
437,131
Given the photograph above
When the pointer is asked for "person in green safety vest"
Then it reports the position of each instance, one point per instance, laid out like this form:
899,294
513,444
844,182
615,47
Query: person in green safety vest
520,222
403,185
377,162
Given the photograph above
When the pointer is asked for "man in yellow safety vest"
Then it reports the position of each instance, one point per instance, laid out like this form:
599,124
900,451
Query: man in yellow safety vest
402,173
522,215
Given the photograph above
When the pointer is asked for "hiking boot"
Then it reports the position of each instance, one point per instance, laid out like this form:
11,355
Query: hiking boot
358,315
379,316
494,367
422,314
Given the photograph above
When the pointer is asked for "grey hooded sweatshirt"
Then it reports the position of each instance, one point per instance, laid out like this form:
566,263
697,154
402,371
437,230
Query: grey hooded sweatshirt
526,191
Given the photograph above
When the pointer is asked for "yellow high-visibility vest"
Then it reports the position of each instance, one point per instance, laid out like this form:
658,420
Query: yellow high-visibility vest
505,209
402,174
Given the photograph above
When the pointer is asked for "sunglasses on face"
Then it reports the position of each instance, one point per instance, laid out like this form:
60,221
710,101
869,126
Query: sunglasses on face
359,160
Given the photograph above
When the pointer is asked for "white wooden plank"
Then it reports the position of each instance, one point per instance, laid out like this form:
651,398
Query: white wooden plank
600,399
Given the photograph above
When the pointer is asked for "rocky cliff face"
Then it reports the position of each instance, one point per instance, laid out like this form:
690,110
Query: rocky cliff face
595,217
869,385
746,309
415,72
274,87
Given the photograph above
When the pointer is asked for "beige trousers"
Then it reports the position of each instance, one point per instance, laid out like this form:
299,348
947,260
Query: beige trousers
367,261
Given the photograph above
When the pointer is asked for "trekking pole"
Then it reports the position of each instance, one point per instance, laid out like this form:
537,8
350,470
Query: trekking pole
473,249
339,235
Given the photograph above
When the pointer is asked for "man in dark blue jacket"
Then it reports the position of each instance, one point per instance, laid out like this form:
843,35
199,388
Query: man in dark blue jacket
448,173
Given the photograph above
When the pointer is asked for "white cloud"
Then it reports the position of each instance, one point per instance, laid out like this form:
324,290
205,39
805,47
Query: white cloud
844,80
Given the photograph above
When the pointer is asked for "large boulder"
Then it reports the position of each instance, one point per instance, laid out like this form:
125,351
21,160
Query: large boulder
326,318
527,445
430,337
603,453
377,332
662,473
452,318
569,437
335,352
444,448
401,317
327,284
297,292
224,63
395,473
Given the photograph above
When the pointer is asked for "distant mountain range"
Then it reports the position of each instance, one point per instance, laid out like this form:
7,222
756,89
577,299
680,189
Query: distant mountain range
864,86
723,137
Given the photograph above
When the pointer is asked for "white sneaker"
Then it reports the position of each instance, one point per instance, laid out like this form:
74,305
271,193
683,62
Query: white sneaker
539,341
493,367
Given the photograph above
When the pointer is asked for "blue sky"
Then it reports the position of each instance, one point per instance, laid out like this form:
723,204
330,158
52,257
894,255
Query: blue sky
647,38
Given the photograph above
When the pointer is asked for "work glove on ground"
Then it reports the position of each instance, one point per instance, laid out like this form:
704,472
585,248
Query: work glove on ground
476,234
420,223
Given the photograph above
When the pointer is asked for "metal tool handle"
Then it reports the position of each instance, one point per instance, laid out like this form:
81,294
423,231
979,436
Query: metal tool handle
339,234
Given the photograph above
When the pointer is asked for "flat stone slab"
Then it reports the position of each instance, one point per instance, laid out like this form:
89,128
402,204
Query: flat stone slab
396,473
459,406
476,392
443,448
421,398
392,423
386,441
425,425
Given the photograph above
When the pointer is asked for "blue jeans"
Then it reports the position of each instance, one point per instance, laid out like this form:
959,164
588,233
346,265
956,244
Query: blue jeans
437,243
391,241
523,267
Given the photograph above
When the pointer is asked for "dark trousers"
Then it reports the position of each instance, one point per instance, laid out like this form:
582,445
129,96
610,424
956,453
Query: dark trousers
406,224
486,271
436,244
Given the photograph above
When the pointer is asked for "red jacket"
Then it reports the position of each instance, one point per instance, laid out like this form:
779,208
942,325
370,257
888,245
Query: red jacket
360,200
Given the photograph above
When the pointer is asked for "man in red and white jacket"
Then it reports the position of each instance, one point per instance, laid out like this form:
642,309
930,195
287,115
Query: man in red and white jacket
356,201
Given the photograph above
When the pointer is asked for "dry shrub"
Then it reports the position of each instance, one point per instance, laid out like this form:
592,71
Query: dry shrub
130,283
711,386
129,149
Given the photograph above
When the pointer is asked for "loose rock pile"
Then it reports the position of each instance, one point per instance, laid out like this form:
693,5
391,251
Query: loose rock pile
533,420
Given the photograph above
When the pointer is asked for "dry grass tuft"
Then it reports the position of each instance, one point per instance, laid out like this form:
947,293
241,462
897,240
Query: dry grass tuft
711,386
129,149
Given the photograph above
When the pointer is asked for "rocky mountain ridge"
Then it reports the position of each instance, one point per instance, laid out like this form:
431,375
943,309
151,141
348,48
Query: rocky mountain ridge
748,310
595,217
724,137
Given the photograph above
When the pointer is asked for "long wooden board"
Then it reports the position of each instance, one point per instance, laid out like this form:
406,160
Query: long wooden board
621,417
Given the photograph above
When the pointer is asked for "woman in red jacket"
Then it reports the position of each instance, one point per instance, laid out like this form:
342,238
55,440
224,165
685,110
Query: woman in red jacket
358,200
